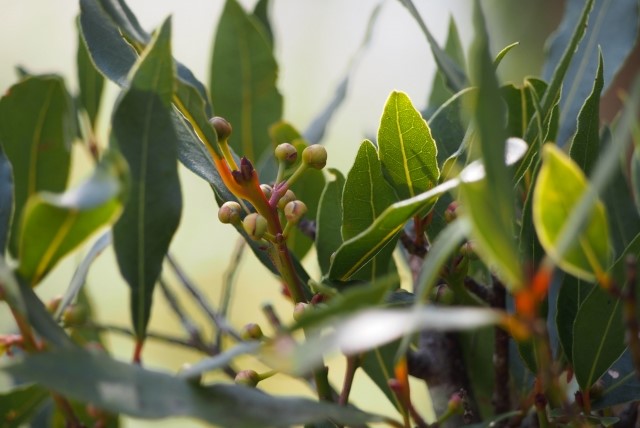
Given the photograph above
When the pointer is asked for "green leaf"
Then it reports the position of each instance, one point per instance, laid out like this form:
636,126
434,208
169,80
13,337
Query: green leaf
598,336
440,93
620,384
20,404
243,81
454,76
448,125
521,105
261,14
613,25
635,178
559,187
37,127
6,200
407,150
134,391
379,365
572,294
55,224
143,131
329,220
90,82
365,196
585,146
500,56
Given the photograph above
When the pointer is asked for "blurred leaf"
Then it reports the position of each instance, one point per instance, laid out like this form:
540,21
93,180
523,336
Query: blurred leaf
90,82
559,187
613,25
261,14
454,76
372,328
620,384
6,200
243,81
329,220
55,224
365,196
143,131
489,203
440,93
585,145
624,221
635,178
407,150
20,404
379,365
316,130
10,289
37,127
571,295
80,275
500,56
598,336
134,391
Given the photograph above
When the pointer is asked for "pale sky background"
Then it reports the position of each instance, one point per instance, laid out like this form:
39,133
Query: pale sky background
314,42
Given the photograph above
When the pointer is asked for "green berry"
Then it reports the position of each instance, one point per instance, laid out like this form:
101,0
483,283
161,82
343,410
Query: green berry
286,198
267,190
287,153
247,378
255,225
75,315
295,210
315,156
229,212
252,331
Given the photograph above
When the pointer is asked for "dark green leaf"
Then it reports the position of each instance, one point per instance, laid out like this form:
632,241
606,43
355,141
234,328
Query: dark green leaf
454,76
448,126
379,365
585,146
365,196
37,126
520,105
134,391
598,336
243,81
440,93
6,200
19,405
613,25
635,178
572,294
10,289
620,384
143,131
90,82
407,150
329,220
55,224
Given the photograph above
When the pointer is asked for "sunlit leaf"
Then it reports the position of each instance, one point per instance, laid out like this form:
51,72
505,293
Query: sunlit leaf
37,126
559,187
143,131
134,391
55,224
407,150
243,81
585,145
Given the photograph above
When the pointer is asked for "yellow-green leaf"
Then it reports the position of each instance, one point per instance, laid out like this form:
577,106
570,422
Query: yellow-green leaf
559,187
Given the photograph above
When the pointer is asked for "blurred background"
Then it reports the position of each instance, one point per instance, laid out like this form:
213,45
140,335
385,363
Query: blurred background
314,41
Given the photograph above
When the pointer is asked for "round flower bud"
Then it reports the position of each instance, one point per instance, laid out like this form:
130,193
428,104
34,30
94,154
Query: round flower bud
229,212
315,156
255,225
75,315
468,249
252,331
298,310
247,378
222,126
451,213
267,190
53,304
286,198
287,153
294,210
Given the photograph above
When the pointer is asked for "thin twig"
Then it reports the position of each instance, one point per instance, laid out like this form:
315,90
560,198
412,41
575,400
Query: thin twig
186,343
630,314
70,417
273,318
218,320
353,362
228,281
